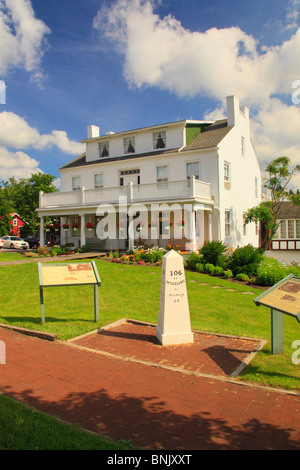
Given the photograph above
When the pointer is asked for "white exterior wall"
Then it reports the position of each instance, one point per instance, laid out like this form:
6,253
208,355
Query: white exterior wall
243,171
176,170
143,141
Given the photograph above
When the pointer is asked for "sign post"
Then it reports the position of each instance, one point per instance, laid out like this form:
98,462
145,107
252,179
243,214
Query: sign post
282,298
61,274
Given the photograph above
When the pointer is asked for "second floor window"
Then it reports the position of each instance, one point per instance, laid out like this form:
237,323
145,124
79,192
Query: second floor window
104,149
192,169
227,172
75,183
98,181
129,145
162,176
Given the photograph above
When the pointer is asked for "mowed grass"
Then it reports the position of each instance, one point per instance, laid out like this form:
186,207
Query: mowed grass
24,428
130,291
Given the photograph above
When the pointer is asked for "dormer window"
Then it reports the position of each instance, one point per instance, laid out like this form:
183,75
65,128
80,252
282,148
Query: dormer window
104,149
159,140
129,145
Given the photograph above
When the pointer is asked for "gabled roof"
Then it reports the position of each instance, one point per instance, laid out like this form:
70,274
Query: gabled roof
288,210
210,137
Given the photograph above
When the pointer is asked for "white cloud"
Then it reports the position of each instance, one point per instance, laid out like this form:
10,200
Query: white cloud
17,164
22,37
16,133
160,52
217,62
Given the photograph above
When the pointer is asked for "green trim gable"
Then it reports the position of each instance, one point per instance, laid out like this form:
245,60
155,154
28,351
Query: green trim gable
192,130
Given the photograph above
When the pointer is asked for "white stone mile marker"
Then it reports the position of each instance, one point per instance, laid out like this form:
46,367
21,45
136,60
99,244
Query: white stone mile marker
174,325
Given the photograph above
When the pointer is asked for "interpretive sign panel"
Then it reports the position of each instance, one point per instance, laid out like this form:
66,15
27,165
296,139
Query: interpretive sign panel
62,274
68,274
282,298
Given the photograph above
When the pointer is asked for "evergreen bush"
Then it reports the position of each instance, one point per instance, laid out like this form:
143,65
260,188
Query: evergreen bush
214,252
245,260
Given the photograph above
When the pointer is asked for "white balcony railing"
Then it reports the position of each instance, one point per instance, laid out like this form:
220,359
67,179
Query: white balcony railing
143,193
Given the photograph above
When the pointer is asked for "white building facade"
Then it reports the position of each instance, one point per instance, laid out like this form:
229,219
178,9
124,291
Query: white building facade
180,183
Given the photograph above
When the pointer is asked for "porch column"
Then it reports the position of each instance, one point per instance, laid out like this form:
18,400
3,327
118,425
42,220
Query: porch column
192,230
82,232
42,231
209,227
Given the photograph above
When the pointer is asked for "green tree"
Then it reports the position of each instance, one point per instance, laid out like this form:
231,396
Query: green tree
280,175
24,195
4,215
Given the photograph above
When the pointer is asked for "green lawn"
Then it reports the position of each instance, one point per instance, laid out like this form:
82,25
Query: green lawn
23,428
9,256
130,291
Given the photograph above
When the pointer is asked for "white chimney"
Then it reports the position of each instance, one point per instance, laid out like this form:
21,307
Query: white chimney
93,131
235,110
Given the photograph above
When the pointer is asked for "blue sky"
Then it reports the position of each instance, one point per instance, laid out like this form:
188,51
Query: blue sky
125,64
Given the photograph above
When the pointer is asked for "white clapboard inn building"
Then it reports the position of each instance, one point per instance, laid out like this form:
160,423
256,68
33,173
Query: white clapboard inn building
180,183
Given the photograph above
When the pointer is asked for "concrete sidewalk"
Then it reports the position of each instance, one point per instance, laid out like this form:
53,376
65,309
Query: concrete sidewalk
113,384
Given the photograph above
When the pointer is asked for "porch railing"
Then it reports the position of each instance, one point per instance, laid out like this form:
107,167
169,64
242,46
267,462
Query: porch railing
171,190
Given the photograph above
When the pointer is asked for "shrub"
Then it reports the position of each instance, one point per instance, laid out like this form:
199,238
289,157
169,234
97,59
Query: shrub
43,250
193,259
242,277
209,268
218,271
199,267
228,274
214,252
271,271
84,249
245,260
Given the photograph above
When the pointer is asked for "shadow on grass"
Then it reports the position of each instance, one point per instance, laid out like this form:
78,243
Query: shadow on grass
17,320
148,422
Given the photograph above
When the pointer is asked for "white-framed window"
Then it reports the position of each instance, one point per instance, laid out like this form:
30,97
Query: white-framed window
159,140
227,222
297,228
98,180
75,183
15,222
256,187
288,229
227,172
129,144
104,149
244,224
193,169
243,146
162,176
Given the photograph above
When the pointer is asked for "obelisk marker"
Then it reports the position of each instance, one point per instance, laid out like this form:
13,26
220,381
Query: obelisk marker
174,325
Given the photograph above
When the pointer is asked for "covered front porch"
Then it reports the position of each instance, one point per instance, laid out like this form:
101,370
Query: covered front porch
106,228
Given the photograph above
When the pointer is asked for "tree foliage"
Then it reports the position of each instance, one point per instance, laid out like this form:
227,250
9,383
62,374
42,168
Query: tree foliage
22,196
277,184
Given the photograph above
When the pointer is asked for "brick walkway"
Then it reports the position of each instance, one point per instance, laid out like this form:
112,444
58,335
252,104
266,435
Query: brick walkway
121,389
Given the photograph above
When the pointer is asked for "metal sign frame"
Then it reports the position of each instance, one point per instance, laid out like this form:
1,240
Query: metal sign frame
96,282
277,311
